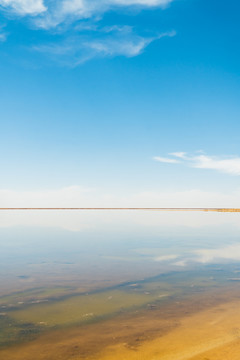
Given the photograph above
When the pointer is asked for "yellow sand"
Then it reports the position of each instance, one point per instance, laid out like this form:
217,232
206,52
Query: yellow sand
210,335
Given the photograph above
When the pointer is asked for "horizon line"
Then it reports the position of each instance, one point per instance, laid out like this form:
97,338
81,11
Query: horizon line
124,208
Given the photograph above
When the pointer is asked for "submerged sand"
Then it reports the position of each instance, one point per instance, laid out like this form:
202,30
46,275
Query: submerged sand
203,327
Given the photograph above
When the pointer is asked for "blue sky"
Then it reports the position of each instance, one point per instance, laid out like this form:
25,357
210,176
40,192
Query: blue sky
128,100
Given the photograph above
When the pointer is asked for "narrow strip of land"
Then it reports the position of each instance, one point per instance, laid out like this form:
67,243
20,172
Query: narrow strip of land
123,208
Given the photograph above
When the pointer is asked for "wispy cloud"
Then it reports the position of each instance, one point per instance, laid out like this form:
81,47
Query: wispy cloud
60,11
77,30
23,7
3,33
166,160
108,42
53,12
179,154
229,165
2,37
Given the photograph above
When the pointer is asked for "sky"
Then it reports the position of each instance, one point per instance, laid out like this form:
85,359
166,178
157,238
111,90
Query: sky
119,103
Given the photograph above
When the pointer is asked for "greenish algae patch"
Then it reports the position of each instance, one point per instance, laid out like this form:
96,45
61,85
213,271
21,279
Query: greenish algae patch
83,308
11,332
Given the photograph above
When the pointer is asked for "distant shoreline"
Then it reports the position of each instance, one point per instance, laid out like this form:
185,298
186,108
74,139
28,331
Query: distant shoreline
123,208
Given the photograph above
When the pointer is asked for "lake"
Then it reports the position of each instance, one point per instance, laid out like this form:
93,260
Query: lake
119,285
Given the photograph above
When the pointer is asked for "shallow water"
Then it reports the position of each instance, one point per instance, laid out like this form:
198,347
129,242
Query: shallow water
121,286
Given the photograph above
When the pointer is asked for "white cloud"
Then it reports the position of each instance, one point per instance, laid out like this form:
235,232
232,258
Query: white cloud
228,165
54,12
85,9
24,7
140,2
166,160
